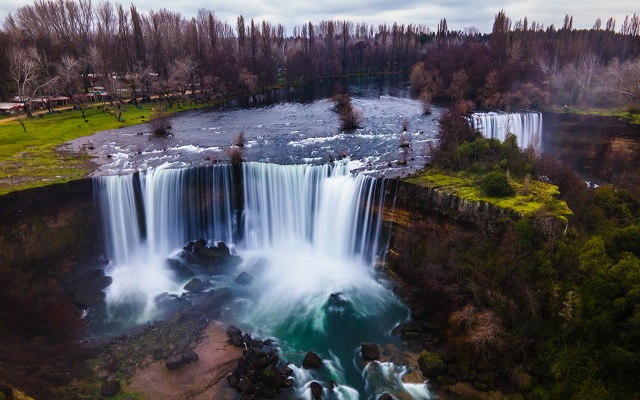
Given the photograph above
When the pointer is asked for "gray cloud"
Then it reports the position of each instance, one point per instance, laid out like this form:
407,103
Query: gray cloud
459,13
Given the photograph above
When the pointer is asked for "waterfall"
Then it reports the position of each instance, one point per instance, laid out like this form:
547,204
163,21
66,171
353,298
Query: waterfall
149,216
324,206
308,234
526,126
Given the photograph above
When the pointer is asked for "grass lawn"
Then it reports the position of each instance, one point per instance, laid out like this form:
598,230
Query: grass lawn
541,195
30,159
629,114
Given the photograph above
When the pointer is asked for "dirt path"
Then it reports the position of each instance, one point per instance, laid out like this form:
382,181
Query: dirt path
200,380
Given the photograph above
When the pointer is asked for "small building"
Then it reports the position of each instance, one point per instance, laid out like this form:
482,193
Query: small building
11,108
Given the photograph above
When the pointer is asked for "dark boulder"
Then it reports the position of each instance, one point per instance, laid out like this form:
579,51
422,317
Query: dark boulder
431,365
215,259
246,385
196,285
110,388
312,361
233,331
370,351
272,376
213,300
287,371
316,390
244,278
236,340
89,288
189,356
385,396
174,362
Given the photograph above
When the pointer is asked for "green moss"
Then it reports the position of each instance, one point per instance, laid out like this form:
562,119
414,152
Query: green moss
540,196
432,359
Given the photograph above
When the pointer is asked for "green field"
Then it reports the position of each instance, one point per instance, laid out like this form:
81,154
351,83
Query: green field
30,159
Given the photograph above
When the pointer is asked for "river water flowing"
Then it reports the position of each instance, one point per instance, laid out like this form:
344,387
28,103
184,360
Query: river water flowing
308,230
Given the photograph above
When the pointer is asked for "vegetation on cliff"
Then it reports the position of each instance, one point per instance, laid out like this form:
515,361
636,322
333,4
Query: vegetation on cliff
555,313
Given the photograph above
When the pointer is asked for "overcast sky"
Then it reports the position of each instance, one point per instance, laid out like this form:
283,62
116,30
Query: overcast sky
459,13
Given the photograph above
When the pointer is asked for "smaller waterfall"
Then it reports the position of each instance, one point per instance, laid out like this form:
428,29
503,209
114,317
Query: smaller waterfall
526,126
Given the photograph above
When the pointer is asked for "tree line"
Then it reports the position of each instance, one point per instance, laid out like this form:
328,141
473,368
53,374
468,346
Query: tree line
70,46
524,65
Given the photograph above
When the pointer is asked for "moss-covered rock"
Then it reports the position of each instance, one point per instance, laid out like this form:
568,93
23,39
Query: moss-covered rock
431,364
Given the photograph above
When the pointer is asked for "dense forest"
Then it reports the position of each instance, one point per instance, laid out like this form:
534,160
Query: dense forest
68,47
551,308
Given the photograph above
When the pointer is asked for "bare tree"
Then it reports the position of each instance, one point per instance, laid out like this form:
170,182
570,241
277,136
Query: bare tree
69,74
29,77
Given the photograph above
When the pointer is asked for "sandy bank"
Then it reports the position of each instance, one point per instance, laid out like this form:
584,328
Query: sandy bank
200,380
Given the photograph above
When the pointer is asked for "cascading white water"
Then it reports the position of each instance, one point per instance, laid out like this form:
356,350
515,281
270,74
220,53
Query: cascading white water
147,218
526,126
316,227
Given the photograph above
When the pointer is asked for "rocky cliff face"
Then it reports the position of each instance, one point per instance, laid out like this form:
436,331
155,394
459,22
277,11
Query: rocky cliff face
49,224
426,202
604,150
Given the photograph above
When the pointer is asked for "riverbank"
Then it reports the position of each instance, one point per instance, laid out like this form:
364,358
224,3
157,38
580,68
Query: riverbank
199,380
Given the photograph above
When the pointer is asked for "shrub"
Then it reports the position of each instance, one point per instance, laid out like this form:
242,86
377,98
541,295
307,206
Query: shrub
350,118
159,121
496,184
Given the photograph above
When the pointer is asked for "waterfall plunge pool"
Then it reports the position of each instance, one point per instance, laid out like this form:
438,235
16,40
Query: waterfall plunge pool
310,236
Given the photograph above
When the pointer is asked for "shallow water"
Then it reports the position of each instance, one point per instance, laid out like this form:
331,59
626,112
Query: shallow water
291,126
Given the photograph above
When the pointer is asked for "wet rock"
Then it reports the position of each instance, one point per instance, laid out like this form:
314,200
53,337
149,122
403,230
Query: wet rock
246,385
312,361
316,390
189,356
233,331
273,378
431,365
370,351
174,362
179,268
110,388
405,328
236,340
196,285
244,278
214,259
213,300
385,396
90,289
